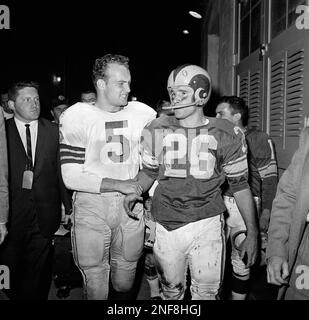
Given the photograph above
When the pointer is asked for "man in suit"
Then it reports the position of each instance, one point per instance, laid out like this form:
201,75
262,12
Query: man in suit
4,199
36,190
287,252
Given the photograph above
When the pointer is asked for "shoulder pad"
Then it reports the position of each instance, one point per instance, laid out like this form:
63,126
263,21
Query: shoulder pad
164,122
140,107
258,143
226,126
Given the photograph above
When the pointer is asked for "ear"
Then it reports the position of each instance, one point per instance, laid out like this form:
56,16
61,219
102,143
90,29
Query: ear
101,84
11,105
237,116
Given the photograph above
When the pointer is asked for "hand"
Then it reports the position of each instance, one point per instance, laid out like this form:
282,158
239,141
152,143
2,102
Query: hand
248,249
277,271
67,221
264,220
130,186
3,232
129,202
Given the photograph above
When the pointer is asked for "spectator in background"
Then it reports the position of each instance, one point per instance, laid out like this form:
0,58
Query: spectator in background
287,253
89,97
36,190
161,104
4,197
59,105
263,183
7,112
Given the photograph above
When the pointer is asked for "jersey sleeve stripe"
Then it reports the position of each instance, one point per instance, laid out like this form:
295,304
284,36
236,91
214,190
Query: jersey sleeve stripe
273,162
269,170
71,148
237,174
72,160
244,157
236,166
73,154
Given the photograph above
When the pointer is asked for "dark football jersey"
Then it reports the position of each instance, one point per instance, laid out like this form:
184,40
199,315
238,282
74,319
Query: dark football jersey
190,165
263,176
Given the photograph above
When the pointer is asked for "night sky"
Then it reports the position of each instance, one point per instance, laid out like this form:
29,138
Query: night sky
49,37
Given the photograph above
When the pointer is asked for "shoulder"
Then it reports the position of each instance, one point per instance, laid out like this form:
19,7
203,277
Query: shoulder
9,122
257,136
225,128
140,109
47,123
77,109
258,143
164,122
78,114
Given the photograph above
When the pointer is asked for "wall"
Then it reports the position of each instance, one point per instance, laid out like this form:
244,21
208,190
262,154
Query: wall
226,47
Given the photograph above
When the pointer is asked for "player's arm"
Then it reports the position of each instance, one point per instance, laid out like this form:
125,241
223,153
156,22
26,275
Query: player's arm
236,169
150,169
267,168
246,206
73,140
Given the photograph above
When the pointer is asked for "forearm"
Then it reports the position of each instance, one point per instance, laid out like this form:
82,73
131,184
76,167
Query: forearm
76,179
269,188
110,185
247,209
145,181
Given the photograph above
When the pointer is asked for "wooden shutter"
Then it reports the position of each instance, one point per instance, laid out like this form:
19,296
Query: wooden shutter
294,120
250,86
277,92
255,102
287,100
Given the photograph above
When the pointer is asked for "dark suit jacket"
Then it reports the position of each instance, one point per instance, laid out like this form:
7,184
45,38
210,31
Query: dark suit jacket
4,198
47,190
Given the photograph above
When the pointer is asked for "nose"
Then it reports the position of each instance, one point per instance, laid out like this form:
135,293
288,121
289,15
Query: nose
127,88
218,116
176,99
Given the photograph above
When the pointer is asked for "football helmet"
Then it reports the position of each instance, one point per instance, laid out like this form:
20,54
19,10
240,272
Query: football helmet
188,81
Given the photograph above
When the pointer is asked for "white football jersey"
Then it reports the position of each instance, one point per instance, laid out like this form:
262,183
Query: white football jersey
95,144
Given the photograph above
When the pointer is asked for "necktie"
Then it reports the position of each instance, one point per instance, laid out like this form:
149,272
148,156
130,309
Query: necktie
29,150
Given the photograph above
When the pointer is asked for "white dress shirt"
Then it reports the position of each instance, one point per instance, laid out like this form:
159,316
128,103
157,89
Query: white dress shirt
33,132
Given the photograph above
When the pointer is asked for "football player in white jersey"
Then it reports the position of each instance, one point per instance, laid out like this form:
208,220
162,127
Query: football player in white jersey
191,155
100,160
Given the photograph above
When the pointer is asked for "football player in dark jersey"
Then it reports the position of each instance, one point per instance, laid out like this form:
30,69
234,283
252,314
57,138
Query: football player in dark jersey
191,155
263,183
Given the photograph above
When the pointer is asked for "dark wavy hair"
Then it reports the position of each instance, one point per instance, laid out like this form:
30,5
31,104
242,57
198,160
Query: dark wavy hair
237,105
101,64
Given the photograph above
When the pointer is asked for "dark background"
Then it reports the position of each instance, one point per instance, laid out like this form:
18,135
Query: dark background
64,38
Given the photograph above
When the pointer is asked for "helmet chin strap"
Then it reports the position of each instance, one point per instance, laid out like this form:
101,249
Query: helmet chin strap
172,107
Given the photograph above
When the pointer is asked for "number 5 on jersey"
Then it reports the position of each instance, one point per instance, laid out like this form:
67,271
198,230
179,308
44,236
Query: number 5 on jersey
117,145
